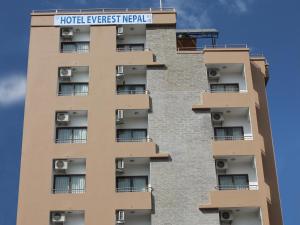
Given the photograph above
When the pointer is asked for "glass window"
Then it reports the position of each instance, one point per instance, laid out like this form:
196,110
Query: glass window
233,182
69,184
132,184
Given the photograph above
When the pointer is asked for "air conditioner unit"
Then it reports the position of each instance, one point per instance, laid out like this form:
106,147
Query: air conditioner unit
120,217
217,117
120,30
213,73
62,117
120,165
120,71
221,164
120,116
67,33
58,217
226,216
61,164
65,73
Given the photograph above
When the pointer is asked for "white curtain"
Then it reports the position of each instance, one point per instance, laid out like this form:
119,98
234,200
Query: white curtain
78,184
79,135
81,89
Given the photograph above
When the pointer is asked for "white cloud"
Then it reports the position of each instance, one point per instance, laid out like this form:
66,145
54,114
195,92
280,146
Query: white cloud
237,6
192,13
12,89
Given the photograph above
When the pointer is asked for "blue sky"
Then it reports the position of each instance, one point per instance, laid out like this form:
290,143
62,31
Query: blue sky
268,26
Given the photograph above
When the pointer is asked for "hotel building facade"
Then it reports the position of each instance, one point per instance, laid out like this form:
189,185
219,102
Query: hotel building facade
129,121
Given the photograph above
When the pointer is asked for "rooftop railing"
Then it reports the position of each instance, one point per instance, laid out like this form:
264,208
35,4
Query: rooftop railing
104,10
132,92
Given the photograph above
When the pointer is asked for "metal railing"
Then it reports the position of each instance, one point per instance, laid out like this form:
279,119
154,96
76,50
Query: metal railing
234,138
237,187
132,92
201,48
68,190
71,140
104,10
225,89
132,48
134,189
73,93
138,139
75,47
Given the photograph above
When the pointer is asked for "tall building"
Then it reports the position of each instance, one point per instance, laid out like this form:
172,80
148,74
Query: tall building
129,121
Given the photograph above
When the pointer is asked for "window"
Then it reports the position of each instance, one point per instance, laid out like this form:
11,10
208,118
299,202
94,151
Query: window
73,89
229,133
224,88
132,184
229,182
69,184
131,135
130,47
72,47
71,135
131,89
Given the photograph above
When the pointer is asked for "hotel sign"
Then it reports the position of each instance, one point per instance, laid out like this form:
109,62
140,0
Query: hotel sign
77,20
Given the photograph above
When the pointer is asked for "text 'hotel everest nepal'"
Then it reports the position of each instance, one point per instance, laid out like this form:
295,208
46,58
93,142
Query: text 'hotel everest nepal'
129,120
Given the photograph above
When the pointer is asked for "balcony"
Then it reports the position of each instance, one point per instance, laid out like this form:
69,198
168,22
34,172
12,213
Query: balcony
67,218
237,216
71,127
231,124
236,173
132,126
73,81
75,39
69,176
132,175
133,217
131,80
131,38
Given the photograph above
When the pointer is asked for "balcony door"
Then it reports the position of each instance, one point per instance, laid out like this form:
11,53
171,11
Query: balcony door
229,182
132,184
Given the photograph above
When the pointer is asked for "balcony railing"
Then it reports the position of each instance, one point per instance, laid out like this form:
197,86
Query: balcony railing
196,48
133,189
132,92
71,135
233,138
75,47
236,187
131,48
68,190
219,88
134,139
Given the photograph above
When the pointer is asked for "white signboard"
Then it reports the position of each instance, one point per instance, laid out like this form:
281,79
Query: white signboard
77,20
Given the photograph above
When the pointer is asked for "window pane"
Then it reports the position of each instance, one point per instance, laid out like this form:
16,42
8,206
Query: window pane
123,184
225,182
139,184
139,134
79,135
61,184
66,89
64,135
78,184
68,47
241,180
124,135
81,89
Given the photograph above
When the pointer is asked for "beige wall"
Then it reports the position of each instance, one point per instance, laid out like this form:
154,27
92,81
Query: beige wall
100,200
261,146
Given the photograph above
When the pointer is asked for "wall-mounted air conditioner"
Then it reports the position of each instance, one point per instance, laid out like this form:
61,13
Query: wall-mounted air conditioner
217,117
120,71
120,30
213,73
226,216
61,164
62,117
120,116
221,164
67,33
58,217
120,217
65,73
120,165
